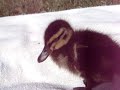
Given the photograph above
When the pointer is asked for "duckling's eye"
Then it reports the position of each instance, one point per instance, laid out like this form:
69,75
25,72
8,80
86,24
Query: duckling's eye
65,36
55,40
59,39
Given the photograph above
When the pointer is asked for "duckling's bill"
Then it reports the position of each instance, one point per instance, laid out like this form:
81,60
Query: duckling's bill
44,54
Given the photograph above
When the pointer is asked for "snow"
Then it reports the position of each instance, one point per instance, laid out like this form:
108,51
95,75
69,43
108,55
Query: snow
21,41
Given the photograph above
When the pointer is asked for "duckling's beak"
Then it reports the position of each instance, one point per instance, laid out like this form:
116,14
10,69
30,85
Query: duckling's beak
45,53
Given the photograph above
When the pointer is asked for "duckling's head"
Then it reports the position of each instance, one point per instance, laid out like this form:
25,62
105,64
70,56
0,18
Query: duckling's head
57,35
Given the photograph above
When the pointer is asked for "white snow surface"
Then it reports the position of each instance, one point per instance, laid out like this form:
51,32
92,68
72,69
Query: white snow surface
21,42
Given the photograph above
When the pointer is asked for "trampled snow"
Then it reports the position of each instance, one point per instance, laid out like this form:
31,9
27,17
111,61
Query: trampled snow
21,41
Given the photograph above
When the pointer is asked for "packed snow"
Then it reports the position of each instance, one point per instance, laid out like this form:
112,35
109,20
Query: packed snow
21,41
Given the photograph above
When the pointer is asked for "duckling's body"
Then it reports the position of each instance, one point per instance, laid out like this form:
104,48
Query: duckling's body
91,54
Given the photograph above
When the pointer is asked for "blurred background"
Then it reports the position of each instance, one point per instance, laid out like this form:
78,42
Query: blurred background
18,7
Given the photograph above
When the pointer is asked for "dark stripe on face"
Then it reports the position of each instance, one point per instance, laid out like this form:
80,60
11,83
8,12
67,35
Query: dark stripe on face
56,39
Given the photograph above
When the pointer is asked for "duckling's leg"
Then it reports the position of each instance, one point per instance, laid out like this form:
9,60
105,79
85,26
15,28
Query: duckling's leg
89,83
79,88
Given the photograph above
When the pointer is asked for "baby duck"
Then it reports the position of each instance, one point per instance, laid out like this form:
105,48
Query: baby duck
90,54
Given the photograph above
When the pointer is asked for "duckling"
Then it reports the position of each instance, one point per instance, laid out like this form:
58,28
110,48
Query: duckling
90,54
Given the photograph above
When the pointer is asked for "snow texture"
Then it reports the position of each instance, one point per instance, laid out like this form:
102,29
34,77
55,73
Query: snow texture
21,41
